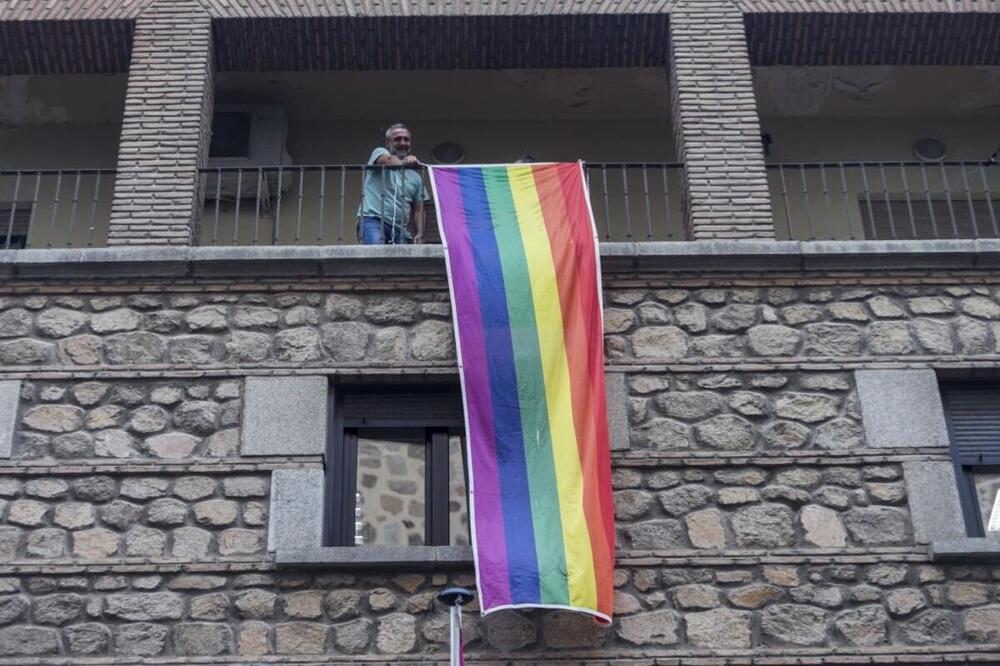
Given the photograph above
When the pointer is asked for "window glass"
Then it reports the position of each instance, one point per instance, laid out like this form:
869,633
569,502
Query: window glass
988,494
458,507
230,134
390,488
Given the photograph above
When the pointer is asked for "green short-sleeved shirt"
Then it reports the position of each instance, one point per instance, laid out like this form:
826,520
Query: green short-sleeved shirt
389,194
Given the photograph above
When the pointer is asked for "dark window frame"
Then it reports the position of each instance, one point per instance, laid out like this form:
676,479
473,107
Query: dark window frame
433,411
967,465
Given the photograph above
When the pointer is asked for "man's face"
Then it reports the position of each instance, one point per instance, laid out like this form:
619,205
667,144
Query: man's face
398,142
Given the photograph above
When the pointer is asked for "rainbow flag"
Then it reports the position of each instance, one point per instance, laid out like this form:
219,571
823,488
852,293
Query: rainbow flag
521,248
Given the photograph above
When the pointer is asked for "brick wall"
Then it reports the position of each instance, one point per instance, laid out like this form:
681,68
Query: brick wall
715,122
165,128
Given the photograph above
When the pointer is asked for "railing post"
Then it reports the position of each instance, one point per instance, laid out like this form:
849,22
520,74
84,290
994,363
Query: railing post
165,127
716,124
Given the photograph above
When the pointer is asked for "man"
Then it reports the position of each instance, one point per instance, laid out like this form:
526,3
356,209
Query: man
393,198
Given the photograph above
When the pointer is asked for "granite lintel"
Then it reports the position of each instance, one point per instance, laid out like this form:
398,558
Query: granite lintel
377,556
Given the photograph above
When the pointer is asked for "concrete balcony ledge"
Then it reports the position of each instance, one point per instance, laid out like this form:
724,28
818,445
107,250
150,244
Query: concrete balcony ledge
361,260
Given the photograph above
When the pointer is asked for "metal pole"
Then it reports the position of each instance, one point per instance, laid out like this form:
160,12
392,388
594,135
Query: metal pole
456,635
454,598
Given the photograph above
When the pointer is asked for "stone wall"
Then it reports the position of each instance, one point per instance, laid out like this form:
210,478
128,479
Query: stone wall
753,514
812,322
755,508
413,326
132,516
765,606
745,411
129,419
199,328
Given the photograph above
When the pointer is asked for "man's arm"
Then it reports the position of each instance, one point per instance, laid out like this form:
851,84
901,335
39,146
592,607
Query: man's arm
391,160
418,222
388,159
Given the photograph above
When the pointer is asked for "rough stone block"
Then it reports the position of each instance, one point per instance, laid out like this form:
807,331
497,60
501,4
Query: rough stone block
284,416
901,408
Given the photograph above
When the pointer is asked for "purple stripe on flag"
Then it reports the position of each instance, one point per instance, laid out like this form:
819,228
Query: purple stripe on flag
493,570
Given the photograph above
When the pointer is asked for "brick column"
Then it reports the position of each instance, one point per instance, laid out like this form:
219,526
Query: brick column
716,123
166,127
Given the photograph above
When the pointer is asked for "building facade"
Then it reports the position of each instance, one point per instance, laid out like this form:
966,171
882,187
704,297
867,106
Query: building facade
230,434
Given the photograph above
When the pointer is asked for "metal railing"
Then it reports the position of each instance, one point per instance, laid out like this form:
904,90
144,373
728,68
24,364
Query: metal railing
55,208
637,201
885,200
318,204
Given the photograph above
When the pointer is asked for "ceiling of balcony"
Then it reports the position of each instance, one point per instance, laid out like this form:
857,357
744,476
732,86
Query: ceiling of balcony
878,91
573,94
374,42
79,99
803,32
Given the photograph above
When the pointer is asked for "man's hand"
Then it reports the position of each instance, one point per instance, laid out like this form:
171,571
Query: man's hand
411,160
389,160
418,239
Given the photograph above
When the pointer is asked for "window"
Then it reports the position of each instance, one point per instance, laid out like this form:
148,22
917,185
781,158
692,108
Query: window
973,416
396,472
230,134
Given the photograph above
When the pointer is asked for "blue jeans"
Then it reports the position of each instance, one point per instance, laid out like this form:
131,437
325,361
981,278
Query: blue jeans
374,231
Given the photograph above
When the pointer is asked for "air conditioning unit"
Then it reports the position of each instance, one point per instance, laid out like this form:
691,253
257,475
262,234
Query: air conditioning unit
247,136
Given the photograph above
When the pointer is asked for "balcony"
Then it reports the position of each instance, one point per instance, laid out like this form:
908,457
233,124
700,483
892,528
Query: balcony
59,137
631,202
881,152
319,125
885,200
60,208
318,204
841,146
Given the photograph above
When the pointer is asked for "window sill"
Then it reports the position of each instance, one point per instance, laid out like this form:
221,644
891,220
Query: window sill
970,549
424,557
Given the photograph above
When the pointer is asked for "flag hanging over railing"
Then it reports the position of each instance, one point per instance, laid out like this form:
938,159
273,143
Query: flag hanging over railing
525,283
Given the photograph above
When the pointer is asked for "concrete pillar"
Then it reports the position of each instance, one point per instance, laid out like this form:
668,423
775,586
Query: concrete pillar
166,127
716,124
